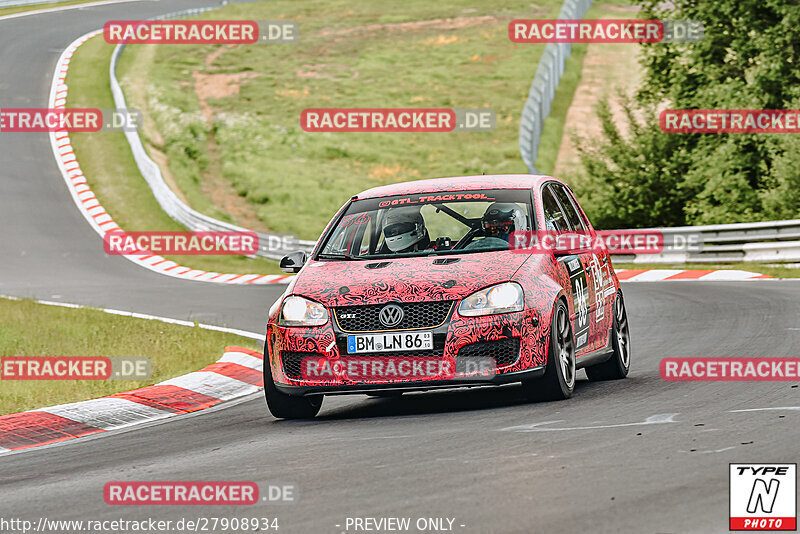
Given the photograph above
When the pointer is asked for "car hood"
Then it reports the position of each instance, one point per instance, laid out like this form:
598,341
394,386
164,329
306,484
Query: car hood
347,283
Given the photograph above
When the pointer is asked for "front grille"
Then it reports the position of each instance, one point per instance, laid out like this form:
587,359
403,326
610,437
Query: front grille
502,351
416,315
292,362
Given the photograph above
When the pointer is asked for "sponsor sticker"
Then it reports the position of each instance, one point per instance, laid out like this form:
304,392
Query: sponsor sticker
763,497
434,199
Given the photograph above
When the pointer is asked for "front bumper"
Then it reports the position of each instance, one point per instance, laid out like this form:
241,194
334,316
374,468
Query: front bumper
418,385
328,343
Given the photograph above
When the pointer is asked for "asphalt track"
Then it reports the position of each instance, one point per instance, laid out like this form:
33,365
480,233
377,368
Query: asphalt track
639,455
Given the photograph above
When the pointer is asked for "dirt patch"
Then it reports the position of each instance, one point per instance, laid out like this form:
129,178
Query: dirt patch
387,173
607,70
313,71
441,40
161,160
222,195
456,23
208,86
210,58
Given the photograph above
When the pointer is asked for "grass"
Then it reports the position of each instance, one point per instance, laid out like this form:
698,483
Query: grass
31,329
553,129
110,170
350,54
36,7
771,270
554,124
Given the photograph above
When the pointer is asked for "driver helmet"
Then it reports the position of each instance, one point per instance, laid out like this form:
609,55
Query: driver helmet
502,218
403,228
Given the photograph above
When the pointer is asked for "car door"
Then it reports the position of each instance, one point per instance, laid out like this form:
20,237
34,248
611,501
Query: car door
598,270
556,221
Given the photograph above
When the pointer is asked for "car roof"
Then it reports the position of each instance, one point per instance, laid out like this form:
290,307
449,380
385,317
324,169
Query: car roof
457,183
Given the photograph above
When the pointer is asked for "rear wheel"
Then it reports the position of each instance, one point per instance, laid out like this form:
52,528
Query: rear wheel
558,381
285,406
618,365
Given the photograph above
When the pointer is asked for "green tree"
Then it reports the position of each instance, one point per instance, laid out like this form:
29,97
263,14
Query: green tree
747,59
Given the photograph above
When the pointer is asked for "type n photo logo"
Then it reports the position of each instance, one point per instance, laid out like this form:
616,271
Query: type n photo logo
763,497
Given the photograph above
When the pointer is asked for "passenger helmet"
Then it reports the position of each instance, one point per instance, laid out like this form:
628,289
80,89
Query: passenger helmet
502,218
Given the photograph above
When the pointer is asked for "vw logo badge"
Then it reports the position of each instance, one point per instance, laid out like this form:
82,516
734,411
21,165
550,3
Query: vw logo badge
391,315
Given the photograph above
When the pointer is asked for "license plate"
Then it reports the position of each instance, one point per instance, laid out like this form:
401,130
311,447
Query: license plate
389,342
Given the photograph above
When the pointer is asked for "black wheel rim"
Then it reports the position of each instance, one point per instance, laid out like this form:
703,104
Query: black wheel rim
564,348
623,337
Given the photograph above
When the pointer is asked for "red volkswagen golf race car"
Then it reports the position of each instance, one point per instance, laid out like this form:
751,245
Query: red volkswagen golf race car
417,286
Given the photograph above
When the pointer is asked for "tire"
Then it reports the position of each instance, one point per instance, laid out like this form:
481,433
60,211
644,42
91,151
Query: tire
558,381
619,364
283,406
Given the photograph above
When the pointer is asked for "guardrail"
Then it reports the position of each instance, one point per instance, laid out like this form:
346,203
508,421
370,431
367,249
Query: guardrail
269,244
759,242
543,88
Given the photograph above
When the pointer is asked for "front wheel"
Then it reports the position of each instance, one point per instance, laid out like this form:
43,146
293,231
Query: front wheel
558,381
619,364
283,406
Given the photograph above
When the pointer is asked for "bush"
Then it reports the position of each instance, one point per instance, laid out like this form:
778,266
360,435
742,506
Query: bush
747,60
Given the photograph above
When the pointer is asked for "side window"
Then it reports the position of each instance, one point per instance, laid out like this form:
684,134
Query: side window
553,218
366,246
570,213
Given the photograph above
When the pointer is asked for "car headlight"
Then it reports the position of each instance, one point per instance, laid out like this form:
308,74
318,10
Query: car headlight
297,311
502,298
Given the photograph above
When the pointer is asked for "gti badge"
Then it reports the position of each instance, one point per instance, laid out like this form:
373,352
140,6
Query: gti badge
391,315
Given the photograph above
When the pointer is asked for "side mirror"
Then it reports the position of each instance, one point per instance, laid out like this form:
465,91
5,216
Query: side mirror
293,262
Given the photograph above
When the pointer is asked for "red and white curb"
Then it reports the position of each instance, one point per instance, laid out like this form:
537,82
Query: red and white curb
237,374
661,275
90,207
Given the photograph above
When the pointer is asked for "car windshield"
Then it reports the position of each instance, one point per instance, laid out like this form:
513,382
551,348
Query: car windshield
429,223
